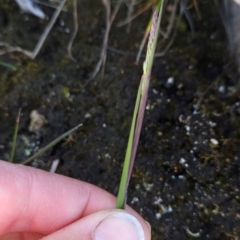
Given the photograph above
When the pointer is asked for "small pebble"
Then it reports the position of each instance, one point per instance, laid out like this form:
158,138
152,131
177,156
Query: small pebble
170,81
182,161
214,141
37,121
87,115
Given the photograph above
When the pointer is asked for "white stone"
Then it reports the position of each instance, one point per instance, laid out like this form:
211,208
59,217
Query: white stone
170,80
182,161
214,141
29,6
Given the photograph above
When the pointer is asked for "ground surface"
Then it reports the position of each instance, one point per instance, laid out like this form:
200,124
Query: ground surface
186,180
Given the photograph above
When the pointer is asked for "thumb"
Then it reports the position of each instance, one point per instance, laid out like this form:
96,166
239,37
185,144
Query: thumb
105,225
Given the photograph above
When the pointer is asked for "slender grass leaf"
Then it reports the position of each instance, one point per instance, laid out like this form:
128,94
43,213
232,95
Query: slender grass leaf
51,144
139,108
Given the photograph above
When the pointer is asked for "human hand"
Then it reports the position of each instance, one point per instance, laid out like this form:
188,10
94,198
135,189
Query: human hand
35,204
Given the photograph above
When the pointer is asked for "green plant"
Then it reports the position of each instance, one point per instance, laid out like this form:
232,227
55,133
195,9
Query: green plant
8,65
42,150
15,137
51,144
139,106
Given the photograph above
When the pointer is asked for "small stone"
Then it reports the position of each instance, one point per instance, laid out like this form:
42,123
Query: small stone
87,115
37,121
182,161
222,89
170,81
134,200
214,141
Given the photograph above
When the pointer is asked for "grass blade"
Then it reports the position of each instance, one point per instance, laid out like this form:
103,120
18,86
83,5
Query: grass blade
124,179
15,137
8,65
51,144
139,107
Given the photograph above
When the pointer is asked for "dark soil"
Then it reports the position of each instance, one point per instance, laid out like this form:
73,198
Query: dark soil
186,179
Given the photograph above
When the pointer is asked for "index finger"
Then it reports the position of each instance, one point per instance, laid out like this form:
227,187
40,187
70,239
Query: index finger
32,200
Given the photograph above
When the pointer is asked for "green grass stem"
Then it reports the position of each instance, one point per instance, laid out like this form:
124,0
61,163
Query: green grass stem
8,65
51,144
13,149
139,107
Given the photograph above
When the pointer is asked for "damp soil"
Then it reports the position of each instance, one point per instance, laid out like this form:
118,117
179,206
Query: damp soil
186,179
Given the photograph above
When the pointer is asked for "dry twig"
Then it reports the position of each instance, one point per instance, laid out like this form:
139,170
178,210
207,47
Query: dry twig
75,20
195,2
109,21
147,6
33,54
130,11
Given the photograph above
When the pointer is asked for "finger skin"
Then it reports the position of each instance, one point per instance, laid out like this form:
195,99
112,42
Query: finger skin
84,228
32,200
22,236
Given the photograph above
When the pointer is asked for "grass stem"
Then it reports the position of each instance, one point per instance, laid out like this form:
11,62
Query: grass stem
13,149
51,144
140,106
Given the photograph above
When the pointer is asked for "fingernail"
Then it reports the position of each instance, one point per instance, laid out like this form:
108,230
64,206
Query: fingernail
119,226
149,225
